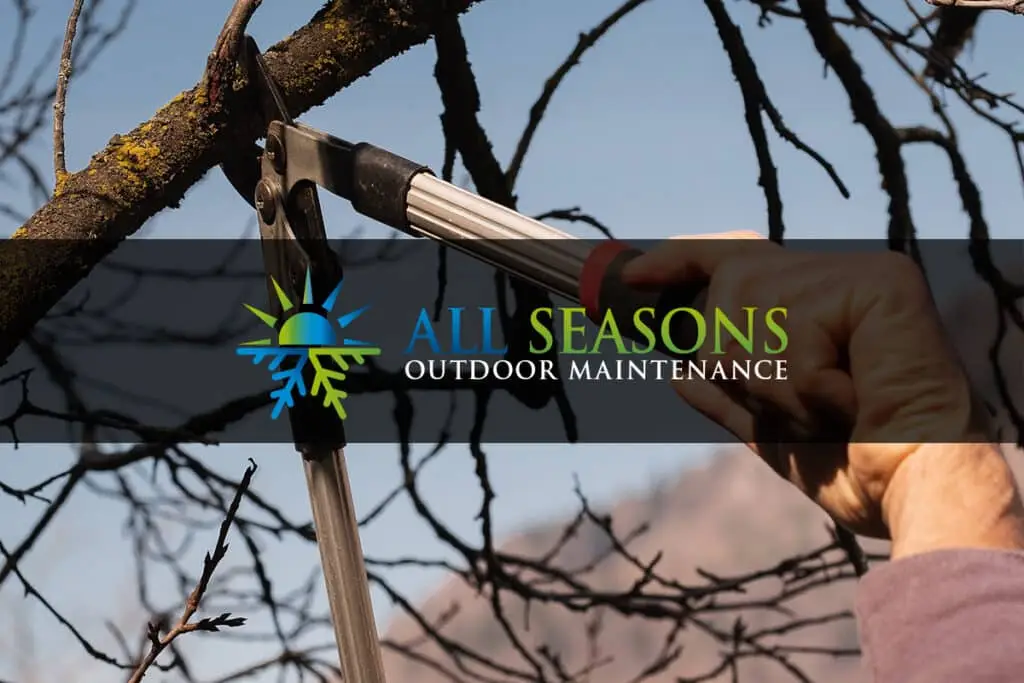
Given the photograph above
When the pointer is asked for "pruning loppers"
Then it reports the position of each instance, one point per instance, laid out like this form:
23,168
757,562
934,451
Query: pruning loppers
280,181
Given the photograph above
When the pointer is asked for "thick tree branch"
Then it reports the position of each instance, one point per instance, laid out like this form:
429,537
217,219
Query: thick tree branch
150,169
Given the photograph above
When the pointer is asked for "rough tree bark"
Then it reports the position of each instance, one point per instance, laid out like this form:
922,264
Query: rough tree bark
139,174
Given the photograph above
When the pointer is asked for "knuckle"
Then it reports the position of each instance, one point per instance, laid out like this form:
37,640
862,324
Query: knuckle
731,275
897,273
894,265
895,262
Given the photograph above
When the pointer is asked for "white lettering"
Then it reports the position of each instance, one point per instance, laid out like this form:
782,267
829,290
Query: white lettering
415,370
579,370
547,369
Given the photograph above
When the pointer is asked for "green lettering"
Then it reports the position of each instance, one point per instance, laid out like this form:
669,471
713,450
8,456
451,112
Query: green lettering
645,331
666,334
609,330
745,340
542,329
776,329
568,329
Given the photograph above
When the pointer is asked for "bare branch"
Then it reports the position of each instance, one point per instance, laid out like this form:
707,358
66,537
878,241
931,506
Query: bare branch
756,101
32,591
228,46
212,624
750,87
586,41
866,112
576,215
60,169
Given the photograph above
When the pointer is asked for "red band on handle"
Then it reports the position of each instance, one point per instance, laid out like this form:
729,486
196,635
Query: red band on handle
594,270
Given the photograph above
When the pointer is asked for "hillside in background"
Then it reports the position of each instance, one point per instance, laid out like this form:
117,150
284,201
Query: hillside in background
730,516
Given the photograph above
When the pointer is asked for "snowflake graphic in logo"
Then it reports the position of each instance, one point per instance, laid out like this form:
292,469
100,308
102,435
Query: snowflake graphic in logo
307,335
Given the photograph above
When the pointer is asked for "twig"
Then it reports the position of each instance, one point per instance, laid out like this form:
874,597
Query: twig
31,590
185,624
847,542
751,89
15,556
1014,6
747,75
867,113
60,168
576,215
586,41
225,51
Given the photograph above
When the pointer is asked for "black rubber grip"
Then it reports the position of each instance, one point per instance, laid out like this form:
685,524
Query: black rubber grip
602,289
380,184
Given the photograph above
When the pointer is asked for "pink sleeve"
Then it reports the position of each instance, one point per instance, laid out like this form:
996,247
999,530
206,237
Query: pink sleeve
951,616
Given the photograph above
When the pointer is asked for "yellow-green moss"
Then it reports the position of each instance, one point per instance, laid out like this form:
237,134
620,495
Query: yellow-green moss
238,78
134,157
324,63
61,184
177,98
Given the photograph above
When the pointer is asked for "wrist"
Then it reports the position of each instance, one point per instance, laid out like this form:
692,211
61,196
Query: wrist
946,496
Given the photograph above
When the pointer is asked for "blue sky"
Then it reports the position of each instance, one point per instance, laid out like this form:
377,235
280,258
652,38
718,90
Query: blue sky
647,134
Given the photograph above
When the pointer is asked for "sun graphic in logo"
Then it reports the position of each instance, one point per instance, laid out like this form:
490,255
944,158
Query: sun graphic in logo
307,335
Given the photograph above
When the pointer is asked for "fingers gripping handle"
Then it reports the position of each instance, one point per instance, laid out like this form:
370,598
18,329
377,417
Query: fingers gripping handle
602,289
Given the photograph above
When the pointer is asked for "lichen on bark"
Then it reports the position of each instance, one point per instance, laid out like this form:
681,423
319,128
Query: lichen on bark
149,169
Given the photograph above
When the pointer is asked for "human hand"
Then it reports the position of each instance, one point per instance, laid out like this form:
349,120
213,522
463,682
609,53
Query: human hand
867,351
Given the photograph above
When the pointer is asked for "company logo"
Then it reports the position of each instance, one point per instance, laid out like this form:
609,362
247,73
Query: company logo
306,335
698,345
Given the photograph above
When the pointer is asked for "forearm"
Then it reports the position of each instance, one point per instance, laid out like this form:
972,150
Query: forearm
947,496
950,606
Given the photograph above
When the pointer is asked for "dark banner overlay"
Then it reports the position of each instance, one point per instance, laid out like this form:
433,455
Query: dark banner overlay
189,341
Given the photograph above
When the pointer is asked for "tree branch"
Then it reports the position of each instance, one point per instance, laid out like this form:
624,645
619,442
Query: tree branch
586,41
139,174
60,169
867,113
221,62
212,624
745,72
